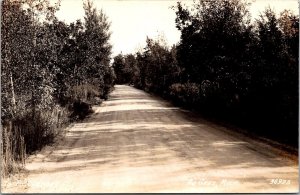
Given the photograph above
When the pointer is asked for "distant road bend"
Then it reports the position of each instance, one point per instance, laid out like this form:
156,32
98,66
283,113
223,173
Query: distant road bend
135,142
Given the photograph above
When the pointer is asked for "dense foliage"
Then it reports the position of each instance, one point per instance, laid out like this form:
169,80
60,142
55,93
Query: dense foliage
50,71
227,67
248,73
153,69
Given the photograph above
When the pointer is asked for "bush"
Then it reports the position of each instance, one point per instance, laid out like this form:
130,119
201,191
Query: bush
85,92
29,132
186,94
13,149
80,110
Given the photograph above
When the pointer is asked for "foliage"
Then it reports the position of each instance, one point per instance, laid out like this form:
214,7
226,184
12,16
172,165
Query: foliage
185,94
248,73
47,66
226,66
125,68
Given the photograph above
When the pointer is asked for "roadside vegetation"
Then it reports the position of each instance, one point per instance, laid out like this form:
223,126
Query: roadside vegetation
226,66
51,74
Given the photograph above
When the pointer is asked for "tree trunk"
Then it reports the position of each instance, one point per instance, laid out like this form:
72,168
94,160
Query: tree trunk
13,99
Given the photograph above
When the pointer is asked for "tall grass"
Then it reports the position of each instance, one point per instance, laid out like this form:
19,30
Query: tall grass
13,149
32,129
27,133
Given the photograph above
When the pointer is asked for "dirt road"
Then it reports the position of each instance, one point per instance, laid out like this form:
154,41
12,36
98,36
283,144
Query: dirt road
135,142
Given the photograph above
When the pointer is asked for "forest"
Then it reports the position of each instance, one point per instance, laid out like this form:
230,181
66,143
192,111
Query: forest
225,66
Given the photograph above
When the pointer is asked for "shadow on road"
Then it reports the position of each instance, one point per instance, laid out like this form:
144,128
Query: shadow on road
133,131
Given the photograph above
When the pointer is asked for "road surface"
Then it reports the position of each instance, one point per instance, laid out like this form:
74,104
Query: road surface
135,142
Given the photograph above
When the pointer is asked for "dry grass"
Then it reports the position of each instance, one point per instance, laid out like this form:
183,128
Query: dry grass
28,133
13,150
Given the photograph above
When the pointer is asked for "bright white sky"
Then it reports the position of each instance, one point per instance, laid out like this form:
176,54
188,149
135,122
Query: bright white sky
133,20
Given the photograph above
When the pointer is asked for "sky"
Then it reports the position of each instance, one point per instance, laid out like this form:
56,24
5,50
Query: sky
133,20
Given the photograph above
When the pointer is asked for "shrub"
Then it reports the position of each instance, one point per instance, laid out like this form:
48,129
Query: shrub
29,132
186,94
85,92
13,149
80,110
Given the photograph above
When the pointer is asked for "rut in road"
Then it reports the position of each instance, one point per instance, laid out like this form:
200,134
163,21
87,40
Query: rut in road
135,142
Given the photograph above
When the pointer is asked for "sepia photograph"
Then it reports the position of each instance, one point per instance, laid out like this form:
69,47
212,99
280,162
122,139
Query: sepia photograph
149,96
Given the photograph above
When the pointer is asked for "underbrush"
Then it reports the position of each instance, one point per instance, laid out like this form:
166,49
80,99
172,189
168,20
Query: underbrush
185,94
29,132
80,110
258,114
264,117
31,129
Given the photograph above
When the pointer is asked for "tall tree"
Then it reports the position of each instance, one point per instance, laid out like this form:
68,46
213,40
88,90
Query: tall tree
95,47
15,35
214,38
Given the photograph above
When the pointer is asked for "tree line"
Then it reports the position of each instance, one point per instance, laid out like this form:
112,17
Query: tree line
226,66
51,72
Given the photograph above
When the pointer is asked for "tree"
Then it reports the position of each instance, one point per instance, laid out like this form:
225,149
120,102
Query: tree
95,47
214,38
119,65
275,79
246,73
15,24
24,69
